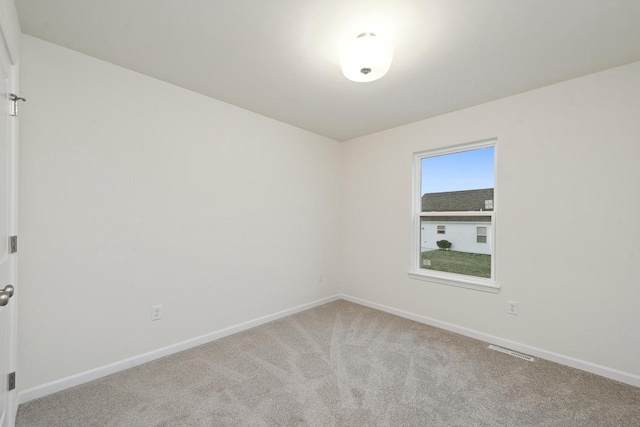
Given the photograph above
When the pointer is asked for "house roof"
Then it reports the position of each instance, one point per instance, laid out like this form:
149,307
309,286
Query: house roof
454,201
443,220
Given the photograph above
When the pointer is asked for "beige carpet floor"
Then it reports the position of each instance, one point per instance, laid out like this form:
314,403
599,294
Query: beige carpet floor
341,364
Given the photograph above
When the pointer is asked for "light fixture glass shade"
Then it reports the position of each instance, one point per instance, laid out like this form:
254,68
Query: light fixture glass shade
366,58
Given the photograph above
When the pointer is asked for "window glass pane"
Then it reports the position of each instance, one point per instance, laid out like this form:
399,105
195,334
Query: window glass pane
457,182
460,252
452,184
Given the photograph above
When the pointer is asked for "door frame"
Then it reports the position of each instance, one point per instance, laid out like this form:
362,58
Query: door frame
10,34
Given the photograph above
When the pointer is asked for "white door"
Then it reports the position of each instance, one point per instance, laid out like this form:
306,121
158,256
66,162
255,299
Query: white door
8,134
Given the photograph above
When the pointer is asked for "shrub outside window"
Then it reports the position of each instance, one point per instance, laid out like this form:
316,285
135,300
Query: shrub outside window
454,190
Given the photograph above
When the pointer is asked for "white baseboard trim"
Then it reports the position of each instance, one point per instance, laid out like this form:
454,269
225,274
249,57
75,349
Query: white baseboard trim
102,371
604,371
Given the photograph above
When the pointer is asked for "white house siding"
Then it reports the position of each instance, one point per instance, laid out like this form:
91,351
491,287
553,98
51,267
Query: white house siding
462,236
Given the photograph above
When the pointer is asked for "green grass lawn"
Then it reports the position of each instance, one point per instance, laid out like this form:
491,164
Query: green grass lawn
478,265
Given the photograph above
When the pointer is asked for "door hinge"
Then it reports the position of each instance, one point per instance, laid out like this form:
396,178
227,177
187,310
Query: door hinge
12,380
13,244
14,103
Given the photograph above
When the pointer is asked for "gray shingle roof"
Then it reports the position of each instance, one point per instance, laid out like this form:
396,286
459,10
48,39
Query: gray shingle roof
449,219
467,200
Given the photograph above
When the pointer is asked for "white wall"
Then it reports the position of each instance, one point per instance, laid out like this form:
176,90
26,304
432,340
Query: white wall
134,192
567,231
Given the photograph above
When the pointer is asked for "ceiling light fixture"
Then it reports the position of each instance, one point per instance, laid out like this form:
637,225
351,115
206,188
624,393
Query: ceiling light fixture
367,58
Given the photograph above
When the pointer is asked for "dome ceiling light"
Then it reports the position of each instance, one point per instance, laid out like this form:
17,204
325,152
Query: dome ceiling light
367,58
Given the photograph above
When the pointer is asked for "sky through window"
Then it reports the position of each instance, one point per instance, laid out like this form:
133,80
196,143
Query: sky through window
466,170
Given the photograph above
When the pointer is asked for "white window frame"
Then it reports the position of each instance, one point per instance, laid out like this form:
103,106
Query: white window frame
452,279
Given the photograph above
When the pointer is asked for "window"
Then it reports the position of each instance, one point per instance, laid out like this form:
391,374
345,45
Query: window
454,190
481,235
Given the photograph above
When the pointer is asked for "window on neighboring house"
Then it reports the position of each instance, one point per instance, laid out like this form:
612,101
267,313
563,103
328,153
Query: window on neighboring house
455,190
481,235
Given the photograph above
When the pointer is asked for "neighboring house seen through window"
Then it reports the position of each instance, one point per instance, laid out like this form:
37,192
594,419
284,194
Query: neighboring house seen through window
455,191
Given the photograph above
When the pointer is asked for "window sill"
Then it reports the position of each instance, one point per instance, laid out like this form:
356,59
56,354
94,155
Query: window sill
479,284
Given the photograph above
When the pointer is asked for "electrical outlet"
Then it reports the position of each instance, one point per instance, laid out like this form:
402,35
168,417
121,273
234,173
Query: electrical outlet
512,307
156,313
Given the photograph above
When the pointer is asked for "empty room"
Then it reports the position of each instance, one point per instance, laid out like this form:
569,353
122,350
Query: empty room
320,213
